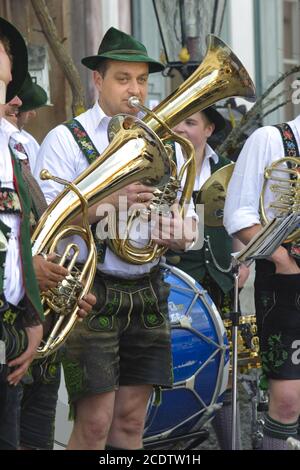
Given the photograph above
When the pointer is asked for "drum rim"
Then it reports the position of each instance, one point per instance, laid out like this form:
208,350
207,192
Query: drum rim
223,369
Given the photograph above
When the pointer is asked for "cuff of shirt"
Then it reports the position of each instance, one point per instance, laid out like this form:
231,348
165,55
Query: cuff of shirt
240,219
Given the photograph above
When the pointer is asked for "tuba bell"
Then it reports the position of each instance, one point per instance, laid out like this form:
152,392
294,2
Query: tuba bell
219,76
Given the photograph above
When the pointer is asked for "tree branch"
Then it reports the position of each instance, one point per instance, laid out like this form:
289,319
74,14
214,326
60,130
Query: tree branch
237,136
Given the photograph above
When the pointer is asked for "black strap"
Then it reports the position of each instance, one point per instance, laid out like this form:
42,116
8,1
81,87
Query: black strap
290,145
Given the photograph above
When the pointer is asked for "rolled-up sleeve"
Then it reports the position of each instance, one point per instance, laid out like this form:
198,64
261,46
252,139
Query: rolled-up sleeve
242,202
61,156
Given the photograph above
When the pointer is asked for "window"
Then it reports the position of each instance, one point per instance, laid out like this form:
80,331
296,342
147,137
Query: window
291,50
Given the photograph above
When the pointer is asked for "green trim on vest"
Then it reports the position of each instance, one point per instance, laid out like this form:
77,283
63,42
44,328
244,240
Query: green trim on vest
30,282
91,153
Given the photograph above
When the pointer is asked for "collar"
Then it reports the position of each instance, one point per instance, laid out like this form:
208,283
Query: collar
210,153
98,116
13,132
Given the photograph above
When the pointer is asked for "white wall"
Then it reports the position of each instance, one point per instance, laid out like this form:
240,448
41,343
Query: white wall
241,37
116,13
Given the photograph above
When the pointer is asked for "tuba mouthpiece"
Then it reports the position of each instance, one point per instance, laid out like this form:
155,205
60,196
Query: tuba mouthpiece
45,175
134,102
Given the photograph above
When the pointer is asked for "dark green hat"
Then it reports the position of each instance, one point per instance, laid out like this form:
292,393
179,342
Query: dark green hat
18,50
32,95
117,45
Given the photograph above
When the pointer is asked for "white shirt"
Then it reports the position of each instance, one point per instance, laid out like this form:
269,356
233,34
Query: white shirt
60,154
13,286
205,172
261,149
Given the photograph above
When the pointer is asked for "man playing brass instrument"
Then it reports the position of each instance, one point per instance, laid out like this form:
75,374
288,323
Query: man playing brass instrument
116,356
277,279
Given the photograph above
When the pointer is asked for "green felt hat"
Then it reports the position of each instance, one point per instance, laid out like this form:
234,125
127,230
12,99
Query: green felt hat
117,45
20,57
32,95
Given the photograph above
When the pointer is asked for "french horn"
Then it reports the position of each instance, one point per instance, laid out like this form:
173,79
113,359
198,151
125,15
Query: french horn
282,182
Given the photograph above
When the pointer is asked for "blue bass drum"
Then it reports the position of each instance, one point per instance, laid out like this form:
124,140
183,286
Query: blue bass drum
200,362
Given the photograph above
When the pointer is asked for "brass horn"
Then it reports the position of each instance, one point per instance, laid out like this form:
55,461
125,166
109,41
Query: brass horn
282,181
134,155
220,75
213,194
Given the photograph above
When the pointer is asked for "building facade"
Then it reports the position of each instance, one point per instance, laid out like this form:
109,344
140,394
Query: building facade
263,33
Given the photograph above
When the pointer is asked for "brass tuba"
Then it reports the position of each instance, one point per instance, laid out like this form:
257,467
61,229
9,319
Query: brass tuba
219,76
137,152
282,181
134,155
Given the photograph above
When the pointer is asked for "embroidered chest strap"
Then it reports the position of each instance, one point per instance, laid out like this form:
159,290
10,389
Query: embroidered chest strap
291,149
9,201
290,145
29,279
83,140
90,152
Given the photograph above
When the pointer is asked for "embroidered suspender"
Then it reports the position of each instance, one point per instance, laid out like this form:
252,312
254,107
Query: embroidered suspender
290,145
29,279
291,149
90,152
